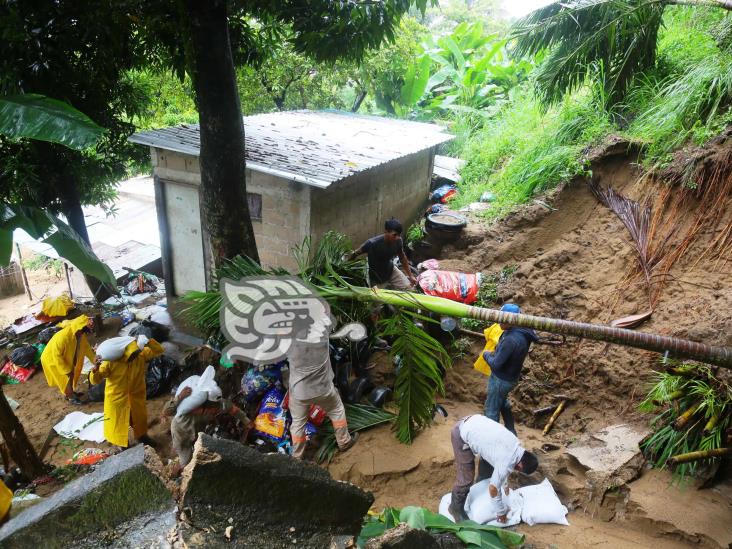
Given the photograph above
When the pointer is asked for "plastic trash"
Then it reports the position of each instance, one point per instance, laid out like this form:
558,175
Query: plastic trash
271,421
380,396
359,387
461,287
443,193
24,356
259,379
153,330
45,335
487,197
159,375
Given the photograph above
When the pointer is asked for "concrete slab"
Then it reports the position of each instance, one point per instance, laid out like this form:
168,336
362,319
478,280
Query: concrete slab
608,450
265,500
92,511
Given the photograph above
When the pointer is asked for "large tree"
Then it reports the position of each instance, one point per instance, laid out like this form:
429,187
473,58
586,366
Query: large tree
77,52
321,29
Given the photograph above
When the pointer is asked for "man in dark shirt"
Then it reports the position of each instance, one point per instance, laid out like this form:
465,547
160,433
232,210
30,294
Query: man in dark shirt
381,252
506,363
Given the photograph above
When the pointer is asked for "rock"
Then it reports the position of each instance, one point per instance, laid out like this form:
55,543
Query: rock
266,495
612,459
406,537
122,498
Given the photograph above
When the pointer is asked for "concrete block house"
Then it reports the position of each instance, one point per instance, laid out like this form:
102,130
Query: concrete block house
307,173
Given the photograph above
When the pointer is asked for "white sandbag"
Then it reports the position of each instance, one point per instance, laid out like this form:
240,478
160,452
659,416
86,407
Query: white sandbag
481,510
542,506
480,506
203,388
537,504
114,348
162,317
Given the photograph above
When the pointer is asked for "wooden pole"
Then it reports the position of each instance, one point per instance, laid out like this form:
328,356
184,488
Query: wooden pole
68,280
21,449
22,272
554,417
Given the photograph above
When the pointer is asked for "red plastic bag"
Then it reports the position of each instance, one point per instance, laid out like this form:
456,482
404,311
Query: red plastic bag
316,415
461,287
13,374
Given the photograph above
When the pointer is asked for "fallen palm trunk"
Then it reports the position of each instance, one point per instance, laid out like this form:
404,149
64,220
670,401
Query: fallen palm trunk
702,454
676,347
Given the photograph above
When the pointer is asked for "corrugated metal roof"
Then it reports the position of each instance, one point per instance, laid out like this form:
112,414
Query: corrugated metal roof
316,148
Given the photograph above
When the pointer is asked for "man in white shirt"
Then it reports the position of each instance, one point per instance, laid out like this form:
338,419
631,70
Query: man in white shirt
480,436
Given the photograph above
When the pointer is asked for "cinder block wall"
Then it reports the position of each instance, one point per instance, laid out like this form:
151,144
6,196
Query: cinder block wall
357,207
360,205
284,223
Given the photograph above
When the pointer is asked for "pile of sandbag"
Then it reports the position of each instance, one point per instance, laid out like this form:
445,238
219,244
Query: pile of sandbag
537,504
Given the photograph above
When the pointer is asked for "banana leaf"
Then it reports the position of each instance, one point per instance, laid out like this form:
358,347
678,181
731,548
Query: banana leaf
48,228
38,117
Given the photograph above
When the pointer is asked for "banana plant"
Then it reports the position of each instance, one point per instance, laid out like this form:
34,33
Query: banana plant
33,116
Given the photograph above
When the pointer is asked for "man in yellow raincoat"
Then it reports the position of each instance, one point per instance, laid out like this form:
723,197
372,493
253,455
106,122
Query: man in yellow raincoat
124,393
63,357
6,501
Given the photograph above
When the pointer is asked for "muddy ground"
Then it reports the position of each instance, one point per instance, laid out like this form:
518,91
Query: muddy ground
573,260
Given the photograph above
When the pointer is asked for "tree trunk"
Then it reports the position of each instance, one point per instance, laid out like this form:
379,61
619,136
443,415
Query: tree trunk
674,346
224,210
21,450
359,99
71,206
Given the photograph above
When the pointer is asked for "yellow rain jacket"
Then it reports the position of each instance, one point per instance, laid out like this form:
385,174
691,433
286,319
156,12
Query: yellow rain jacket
124,394
57,306
492,334
63,357
6,500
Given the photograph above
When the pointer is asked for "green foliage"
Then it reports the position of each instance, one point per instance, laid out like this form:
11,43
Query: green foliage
524,151
360,417
40,262
474,535
687,387
415,232
606,41
41,118
43,225
421,360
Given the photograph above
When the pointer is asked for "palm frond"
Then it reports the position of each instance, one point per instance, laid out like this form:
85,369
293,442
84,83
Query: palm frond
606,41
419,377
360,417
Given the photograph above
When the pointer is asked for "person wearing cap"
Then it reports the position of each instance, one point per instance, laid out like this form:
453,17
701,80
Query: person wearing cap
506,363
477,435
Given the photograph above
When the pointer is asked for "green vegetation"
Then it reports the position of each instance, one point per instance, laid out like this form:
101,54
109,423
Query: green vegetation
474,535
693,414
529,147
41,262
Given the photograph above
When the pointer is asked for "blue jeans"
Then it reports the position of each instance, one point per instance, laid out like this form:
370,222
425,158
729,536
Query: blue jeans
496,402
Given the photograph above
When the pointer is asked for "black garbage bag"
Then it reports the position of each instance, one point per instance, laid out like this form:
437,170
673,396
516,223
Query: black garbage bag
360,387
96,392
159,376
24,356
342,378
153,330
380,396
44,336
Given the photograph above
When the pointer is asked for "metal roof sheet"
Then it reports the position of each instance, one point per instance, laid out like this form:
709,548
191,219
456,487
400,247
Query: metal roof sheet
316,148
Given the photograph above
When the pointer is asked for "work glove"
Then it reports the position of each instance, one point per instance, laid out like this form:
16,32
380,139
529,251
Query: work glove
142,341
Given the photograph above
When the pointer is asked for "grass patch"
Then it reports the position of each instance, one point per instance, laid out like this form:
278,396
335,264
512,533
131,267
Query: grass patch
41,262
